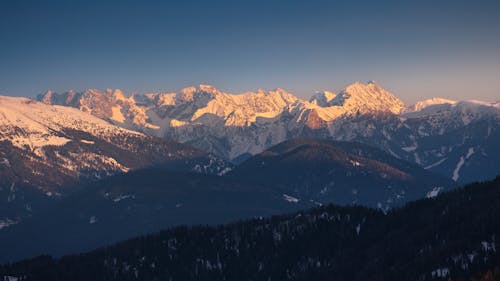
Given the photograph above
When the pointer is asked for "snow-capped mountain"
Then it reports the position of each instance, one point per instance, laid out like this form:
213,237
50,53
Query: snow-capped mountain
235,126
74,144
44,149
227,124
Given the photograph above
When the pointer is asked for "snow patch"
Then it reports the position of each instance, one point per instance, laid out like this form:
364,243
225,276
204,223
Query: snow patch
393,154
123,197
36,141
7,222
224,171
434,192
355,163
417,159
461,162
469,152
290,199
457,169
435,164
410,148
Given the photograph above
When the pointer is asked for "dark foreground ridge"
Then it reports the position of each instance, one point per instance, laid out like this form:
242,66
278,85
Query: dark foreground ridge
449,237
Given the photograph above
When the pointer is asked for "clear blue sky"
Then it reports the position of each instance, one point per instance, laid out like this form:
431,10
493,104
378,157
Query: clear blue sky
417,49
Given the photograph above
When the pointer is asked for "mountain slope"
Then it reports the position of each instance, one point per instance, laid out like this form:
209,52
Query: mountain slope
138,202
46,149
451,237
293,175
339,172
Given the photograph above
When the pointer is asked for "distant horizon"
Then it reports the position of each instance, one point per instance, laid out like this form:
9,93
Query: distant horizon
416,50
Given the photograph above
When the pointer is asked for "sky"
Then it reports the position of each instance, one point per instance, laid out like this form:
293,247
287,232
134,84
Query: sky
415,49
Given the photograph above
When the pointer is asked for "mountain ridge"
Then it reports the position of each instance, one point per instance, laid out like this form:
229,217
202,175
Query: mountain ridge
230,125
325,171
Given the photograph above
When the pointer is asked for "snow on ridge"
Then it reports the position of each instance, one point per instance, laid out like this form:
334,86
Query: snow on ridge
243,109
34,124
430,102
480,102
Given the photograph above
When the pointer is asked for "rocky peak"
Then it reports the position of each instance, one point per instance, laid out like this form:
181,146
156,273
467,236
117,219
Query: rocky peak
369,97
201,94
46,97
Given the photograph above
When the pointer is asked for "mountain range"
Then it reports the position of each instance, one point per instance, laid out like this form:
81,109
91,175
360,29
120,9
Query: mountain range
458,139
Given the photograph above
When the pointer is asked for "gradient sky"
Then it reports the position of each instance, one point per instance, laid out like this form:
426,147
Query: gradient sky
416,49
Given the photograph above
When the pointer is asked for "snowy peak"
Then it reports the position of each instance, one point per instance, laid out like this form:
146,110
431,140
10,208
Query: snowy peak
50,97
117,94
199,94
366,98
431,102
205,103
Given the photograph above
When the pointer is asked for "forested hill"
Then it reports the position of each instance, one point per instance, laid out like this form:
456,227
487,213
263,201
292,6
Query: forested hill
449,237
